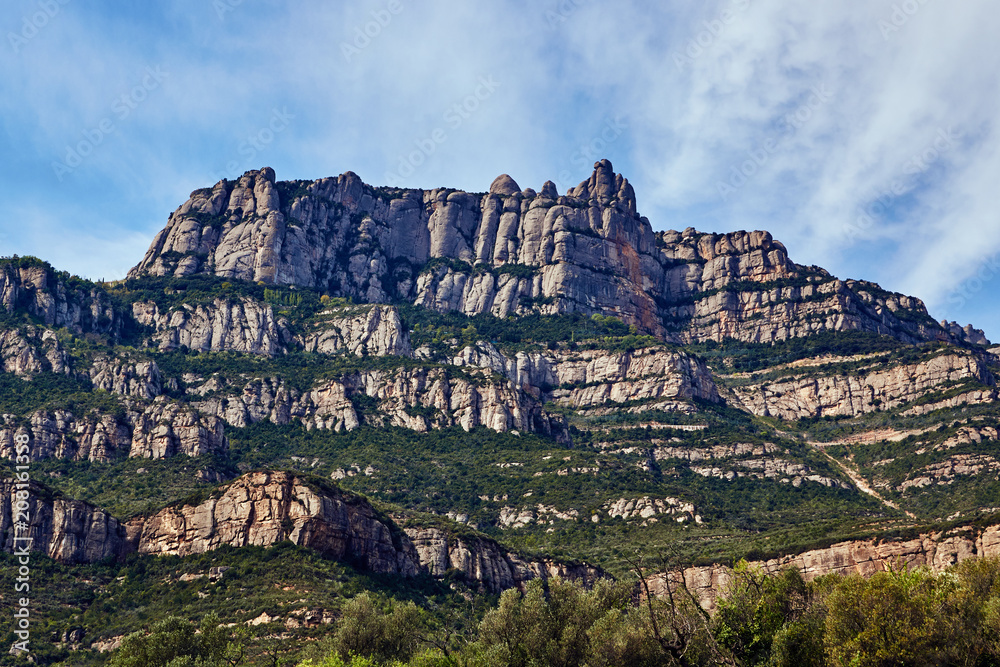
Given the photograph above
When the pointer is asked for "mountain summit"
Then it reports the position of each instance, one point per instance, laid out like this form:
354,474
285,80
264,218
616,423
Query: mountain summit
513,252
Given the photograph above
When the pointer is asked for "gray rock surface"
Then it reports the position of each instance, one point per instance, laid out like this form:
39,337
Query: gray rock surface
359,330
818,394
590,252
157,430
70,531
242,325
55,301
262,509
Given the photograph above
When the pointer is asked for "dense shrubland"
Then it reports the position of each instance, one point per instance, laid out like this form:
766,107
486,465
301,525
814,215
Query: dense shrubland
901,617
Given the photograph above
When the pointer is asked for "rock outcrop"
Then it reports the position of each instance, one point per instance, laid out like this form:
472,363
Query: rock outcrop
417,398
29,350
262,509
70,531
512,251
157,430
265,508
874,388
140,379
359,330
239,325
743,460
53,298
484,562
935,550
595,378
967,334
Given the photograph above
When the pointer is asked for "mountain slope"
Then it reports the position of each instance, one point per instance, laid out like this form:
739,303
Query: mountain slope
519,379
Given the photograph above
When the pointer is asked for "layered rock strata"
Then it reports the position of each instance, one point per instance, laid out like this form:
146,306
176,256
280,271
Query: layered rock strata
934,550
512,251
70,531
262,509
159,430
876,388
55,300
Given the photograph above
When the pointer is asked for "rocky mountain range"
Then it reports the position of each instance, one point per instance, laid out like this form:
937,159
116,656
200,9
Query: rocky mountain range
513,251
479,389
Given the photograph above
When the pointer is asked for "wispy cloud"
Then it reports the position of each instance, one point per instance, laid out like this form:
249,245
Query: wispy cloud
700,87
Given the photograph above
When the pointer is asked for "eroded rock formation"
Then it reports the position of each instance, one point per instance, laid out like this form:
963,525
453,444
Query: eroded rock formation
513,251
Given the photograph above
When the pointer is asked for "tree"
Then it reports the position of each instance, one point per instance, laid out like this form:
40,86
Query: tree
364,630
174,642
889,619
755,607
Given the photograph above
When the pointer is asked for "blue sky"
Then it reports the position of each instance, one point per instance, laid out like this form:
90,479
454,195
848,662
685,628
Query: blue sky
861,133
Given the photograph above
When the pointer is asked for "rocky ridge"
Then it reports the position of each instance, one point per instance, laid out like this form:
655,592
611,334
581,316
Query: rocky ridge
935,550
154,431
512,251
874,388
57,300
262,509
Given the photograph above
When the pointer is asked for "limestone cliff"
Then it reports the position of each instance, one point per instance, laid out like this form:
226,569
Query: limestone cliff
29,350
56,299
935,550
265,508
262,509
359,330
242,325
879,385
594,378
485,562
513,251
69,531
156,430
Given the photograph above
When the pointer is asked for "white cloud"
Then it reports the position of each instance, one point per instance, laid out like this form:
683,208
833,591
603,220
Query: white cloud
690,120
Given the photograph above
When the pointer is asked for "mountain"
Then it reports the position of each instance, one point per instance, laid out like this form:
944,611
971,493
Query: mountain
513,251
441,395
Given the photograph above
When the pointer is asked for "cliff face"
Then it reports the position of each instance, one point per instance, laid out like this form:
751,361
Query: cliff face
874,388
266,508
157,430
54,300
69,531
487,563
513,251
375,331
29,350
262,509
936,551
241,326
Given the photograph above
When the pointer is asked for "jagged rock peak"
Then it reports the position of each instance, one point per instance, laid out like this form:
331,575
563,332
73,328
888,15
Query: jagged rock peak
549,190
504,185
604,185
967,333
